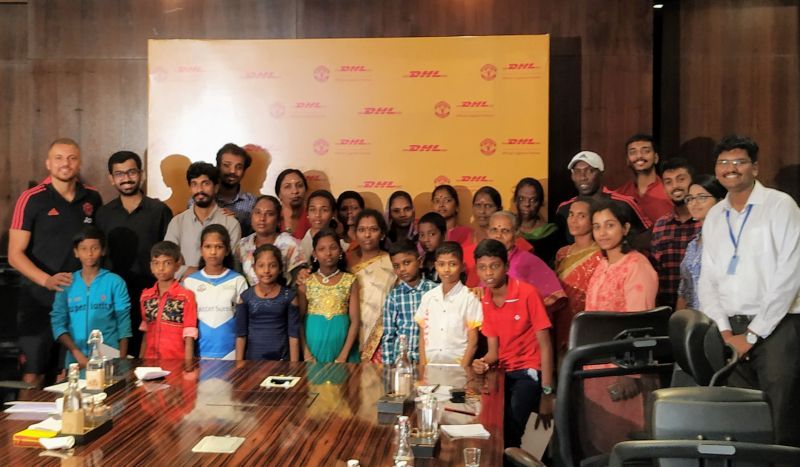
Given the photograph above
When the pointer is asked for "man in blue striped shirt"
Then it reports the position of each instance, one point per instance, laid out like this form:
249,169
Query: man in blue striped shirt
403,301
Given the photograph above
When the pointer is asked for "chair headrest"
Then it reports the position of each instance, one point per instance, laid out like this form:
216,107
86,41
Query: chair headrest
696,344
594,327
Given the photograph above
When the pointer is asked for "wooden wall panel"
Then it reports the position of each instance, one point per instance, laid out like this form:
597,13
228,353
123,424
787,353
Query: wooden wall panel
87,61
16,166
740,73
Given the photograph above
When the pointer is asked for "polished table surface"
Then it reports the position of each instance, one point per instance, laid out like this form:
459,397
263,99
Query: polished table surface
329,417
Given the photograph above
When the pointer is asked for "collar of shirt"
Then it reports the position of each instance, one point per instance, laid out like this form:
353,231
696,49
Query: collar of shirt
405,287
116,204
453,292
80,190
512,294
756,197
240,195
214,210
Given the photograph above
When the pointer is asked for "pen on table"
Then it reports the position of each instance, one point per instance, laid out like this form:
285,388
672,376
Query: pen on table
448,409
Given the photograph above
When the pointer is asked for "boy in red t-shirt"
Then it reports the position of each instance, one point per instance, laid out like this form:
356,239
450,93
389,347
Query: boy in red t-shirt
169,312
516,327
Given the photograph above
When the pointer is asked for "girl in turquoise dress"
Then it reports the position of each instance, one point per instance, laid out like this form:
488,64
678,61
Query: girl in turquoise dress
329,301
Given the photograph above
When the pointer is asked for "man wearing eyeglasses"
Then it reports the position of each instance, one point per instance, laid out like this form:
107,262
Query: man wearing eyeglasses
133,223
749,281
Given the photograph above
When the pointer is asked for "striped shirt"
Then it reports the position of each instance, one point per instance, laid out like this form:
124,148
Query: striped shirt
398,319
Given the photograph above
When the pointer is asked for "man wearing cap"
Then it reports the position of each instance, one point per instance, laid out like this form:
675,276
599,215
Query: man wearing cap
646,187
586,170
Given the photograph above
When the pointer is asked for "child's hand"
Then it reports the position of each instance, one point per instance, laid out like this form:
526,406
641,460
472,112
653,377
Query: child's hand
479,366
302,277
477,292
80,357
340,359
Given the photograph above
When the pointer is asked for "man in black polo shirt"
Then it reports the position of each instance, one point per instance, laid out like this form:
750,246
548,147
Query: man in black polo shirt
133,223
46,218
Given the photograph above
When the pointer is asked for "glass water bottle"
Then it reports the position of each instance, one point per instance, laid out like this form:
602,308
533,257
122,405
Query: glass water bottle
95,369
403,371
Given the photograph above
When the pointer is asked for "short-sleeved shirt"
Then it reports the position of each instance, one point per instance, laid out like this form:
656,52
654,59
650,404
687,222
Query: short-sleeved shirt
168,319
515,324
52,222
267,323
130,235
217,297
445,321
655,203
185,229
241,206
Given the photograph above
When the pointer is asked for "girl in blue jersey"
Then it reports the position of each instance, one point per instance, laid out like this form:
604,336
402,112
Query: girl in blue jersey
217,289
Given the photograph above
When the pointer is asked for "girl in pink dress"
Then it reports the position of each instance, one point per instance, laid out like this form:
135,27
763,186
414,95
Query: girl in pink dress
623,281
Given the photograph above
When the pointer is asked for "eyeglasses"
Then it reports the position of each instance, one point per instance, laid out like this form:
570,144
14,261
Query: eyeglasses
734,162
128,173
698,198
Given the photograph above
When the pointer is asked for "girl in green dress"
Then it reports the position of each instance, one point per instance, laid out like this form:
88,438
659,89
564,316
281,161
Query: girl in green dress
329,302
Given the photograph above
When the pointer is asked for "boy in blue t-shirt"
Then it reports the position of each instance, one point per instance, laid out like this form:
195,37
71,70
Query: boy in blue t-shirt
96,299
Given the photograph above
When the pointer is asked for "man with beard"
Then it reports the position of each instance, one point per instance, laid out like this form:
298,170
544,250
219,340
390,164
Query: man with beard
45,219
673,231
185,228
232,162
133,223
586,170
647,188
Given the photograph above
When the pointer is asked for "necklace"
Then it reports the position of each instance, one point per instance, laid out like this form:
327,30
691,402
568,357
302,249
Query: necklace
326,279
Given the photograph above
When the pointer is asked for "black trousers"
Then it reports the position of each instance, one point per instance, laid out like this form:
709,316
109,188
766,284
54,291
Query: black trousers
522,394
773,366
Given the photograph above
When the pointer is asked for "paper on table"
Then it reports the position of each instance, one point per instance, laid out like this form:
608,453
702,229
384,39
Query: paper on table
223,444
60,388
466,431
50,424
32,407
108,351
61,442
150,372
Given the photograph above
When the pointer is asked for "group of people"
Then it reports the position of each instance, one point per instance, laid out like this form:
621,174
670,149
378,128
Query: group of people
315,277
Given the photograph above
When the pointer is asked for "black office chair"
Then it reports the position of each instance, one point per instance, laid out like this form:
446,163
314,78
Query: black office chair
706,426
636,343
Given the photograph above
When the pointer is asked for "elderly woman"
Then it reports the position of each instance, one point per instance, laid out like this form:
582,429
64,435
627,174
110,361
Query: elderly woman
524,265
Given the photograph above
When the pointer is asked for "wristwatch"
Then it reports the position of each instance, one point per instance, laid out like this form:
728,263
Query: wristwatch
547,390
751,337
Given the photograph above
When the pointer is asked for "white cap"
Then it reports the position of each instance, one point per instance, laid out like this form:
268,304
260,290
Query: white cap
591,158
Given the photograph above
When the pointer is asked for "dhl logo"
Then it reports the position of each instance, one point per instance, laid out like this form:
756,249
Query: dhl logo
474,178
260,75
307,105
379,184
521,66
353,68
520,141
190,69
424,148
474,104
379,111
352,142
425,74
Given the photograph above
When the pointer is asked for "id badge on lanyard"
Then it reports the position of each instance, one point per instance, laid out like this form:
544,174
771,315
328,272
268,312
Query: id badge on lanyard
736,239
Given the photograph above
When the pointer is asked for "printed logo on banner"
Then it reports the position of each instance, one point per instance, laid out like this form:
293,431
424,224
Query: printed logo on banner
190,69
474,179
475,104
353,72
441,109
314,105
322,73
321,146
488,72
354,69
379,184
424,74
159,74
488,146
522,70
261,74
379,111
474,108
187,72
424,148
277,110
441,180
314,177
524,146
352,146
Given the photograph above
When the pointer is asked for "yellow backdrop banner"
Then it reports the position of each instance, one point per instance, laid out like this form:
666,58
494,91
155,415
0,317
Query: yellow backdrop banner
371,115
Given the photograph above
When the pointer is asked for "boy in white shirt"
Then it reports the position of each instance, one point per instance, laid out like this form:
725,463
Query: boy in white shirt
449,315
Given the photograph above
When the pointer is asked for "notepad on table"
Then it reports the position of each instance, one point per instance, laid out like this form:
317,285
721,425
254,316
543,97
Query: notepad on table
475,430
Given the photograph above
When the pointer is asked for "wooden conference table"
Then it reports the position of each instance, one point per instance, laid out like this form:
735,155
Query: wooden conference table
329,417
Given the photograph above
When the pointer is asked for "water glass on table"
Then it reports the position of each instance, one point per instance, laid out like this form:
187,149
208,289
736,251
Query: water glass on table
472,457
